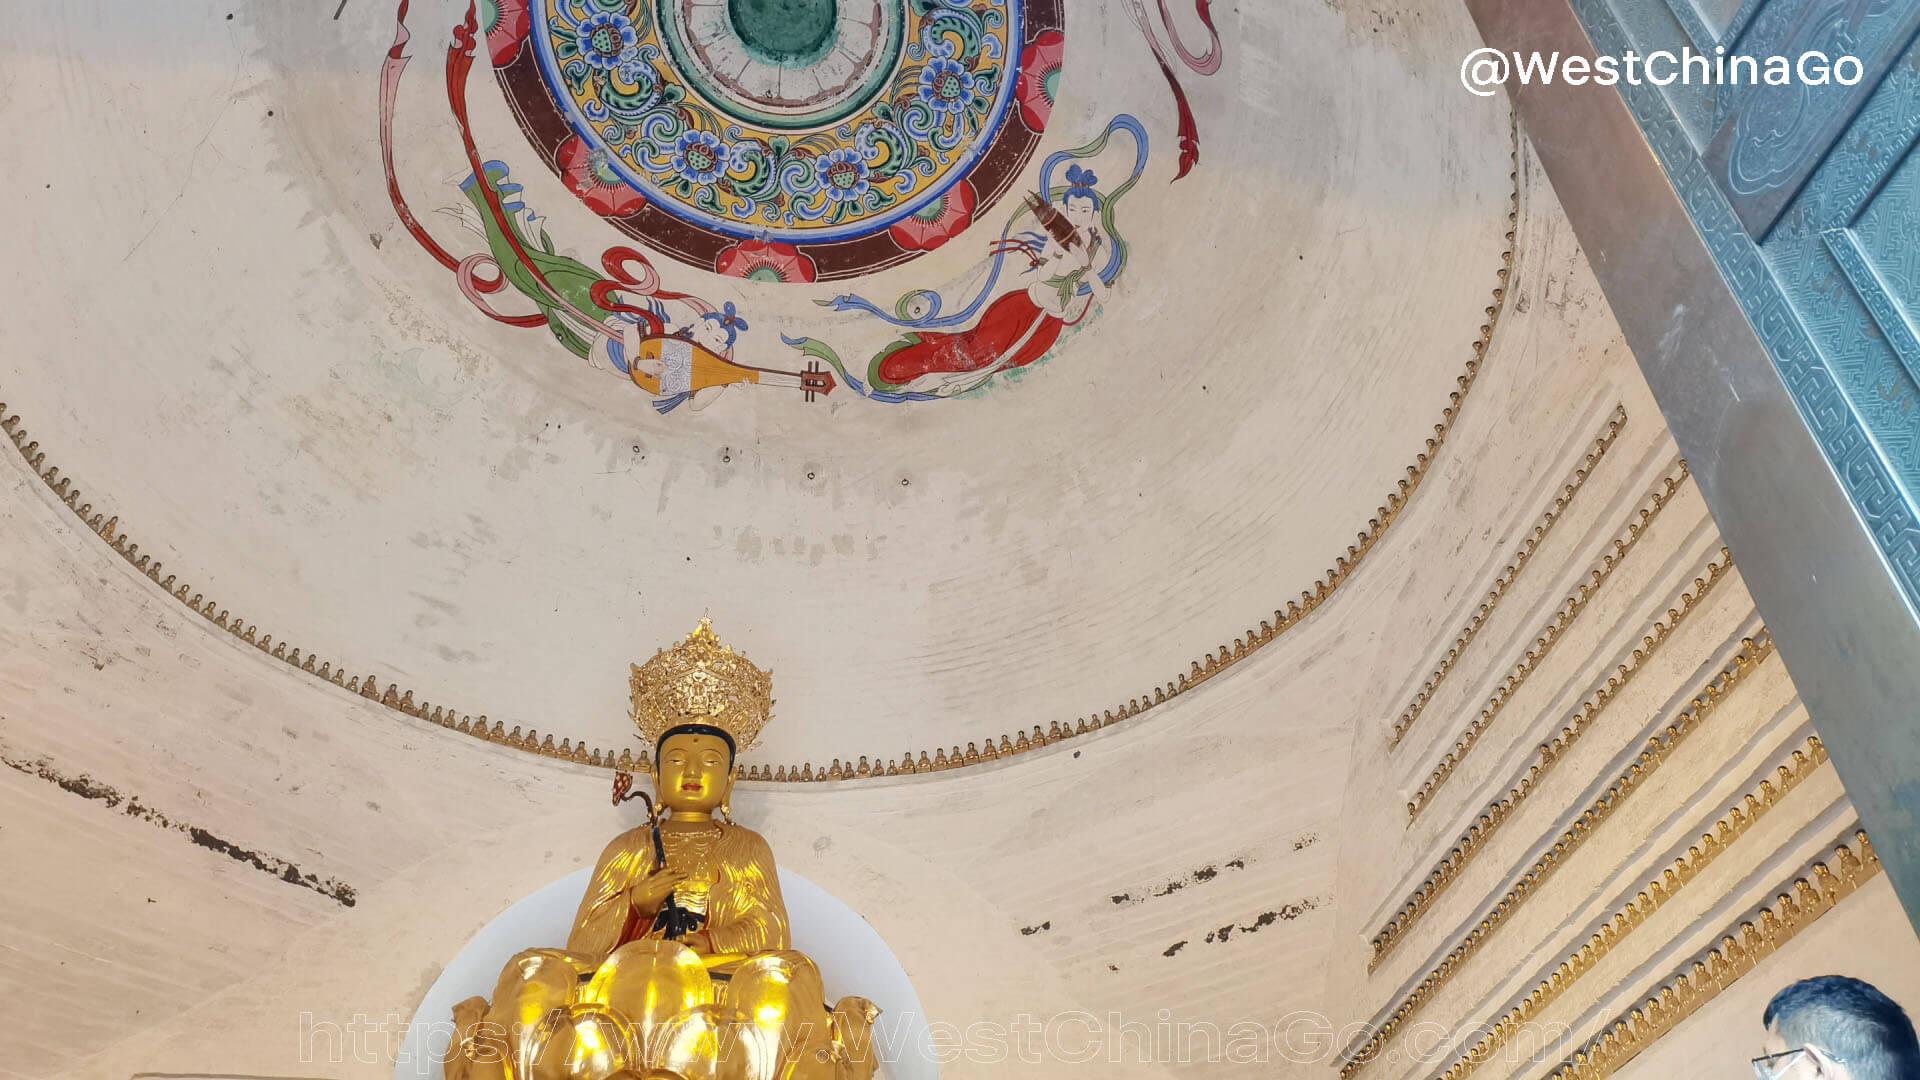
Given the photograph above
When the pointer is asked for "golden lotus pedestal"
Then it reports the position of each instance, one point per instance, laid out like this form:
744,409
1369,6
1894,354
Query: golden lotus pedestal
653,1011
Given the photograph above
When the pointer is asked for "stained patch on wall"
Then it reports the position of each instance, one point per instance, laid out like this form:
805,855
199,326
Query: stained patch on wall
1029,931
1284,913
1195,877
93,790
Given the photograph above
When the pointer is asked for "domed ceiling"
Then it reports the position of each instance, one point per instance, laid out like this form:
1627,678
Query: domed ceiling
974,365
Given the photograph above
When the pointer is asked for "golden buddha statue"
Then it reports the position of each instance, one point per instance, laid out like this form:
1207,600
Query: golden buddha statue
679,965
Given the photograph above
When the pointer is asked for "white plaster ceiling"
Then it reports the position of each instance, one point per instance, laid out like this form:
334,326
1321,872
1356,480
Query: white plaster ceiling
232,344
214,850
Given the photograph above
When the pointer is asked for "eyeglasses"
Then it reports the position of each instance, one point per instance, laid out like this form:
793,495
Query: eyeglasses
1774,1066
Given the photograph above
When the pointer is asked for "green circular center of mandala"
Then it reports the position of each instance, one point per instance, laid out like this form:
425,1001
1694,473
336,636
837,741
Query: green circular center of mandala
791,65
785,33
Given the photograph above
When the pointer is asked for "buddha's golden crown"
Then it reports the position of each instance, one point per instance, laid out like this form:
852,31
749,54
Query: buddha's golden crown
700,681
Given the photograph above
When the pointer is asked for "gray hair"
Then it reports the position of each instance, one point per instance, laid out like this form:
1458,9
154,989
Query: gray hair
1850,1021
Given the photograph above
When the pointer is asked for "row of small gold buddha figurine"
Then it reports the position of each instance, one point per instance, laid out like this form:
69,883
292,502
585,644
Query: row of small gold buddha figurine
625,761
107,526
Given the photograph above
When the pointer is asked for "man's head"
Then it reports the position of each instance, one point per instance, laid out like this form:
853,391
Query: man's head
1837,1028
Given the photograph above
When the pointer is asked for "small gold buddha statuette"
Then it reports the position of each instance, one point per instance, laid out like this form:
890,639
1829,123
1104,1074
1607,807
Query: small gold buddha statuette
679,965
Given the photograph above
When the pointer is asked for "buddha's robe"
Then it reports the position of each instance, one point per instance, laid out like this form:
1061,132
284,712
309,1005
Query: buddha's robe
732,876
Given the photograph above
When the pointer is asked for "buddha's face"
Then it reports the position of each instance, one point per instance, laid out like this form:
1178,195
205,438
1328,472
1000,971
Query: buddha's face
694,773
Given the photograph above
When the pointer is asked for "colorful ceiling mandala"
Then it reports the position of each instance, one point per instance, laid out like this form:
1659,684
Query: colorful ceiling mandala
849,135
789,141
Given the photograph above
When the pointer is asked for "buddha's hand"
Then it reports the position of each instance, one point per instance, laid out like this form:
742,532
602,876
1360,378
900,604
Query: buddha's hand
651,891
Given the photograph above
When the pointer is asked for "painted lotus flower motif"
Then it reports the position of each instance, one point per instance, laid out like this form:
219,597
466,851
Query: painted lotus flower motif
946,85
606,39
1039,85
587,175
700,157
937,222
505,23
764,260
845,175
